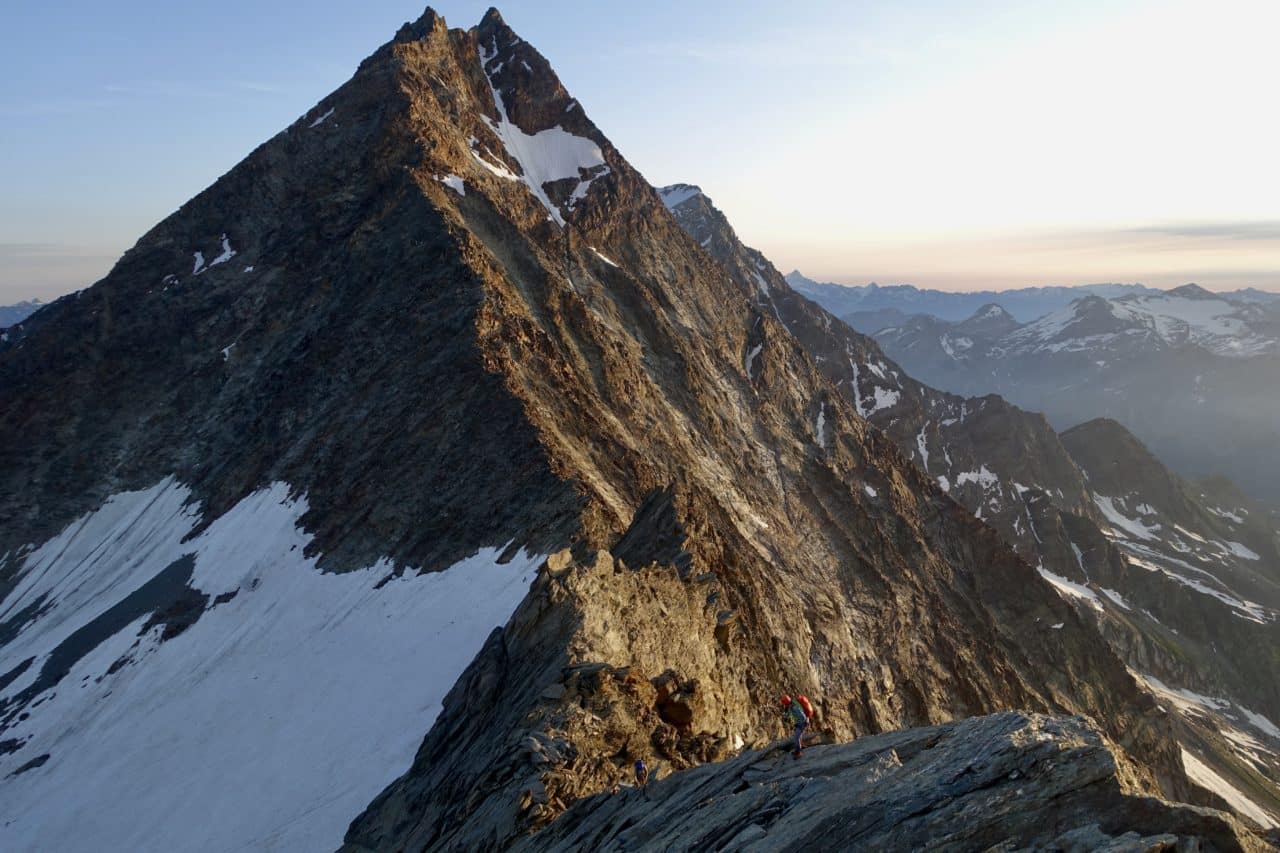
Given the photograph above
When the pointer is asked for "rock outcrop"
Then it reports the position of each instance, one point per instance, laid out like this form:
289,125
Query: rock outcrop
1005,782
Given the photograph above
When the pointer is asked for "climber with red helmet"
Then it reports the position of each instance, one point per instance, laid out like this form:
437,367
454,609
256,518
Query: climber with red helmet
798,713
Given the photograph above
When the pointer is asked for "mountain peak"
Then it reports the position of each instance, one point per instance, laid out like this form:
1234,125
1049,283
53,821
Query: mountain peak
1193,291
674,195
1103,429
430,21
492,22
991,318
990,311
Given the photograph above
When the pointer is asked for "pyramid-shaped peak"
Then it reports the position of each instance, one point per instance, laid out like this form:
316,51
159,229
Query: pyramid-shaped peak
1091,303
990,311
492,24
990,318
1192,291
674,195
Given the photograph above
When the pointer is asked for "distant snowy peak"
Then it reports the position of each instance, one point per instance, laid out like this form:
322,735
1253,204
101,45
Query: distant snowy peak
1186,316
677,194
1191,314
989,312
990,319
1086,324
13,314
1192,291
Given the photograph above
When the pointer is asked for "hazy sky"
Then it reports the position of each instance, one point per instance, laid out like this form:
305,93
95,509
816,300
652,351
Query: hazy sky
945,144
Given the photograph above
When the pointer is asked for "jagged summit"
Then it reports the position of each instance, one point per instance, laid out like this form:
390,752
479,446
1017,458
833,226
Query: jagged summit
1193,291
430,21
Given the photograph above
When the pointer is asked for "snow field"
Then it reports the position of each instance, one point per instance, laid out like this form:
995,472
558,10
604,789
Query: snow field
268,724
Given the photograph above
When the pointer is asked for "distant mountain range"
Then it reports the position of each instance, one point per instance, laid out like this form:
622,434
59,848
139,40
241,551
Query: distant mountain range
861,303
10,314
1196,375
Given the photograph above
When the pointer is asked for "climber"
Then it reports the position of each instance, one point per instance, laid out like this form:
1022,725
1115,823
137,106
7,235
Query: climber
642,775
797,712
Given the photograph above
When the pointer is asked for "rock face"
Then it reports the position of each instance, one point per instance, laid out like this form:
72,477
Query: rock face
440,323
1005,465
1005,782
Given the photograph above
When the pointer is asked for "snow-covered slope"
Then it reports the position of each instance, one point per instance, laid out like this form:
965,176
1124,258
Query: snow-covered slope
215,691
1186,316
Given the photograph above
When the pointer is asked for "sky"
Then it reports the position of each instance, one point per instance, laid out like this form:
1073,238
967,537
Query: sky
957,145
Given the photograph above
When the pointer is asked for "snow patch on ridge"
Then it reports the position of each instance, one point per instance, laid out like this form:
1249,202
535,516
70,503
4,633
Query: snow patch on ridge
1117,598
599,254
287,706
1131,526
1202,775
1241,551
1173,568
857,391
1222,513
983,477
227,253
546,156
762,285
1069,588
321,119
1263,724
454,182
885,399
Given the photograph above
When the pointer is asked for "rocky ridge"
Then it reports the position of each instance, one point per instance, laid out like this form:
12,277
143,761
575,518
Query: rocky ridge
1005,782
